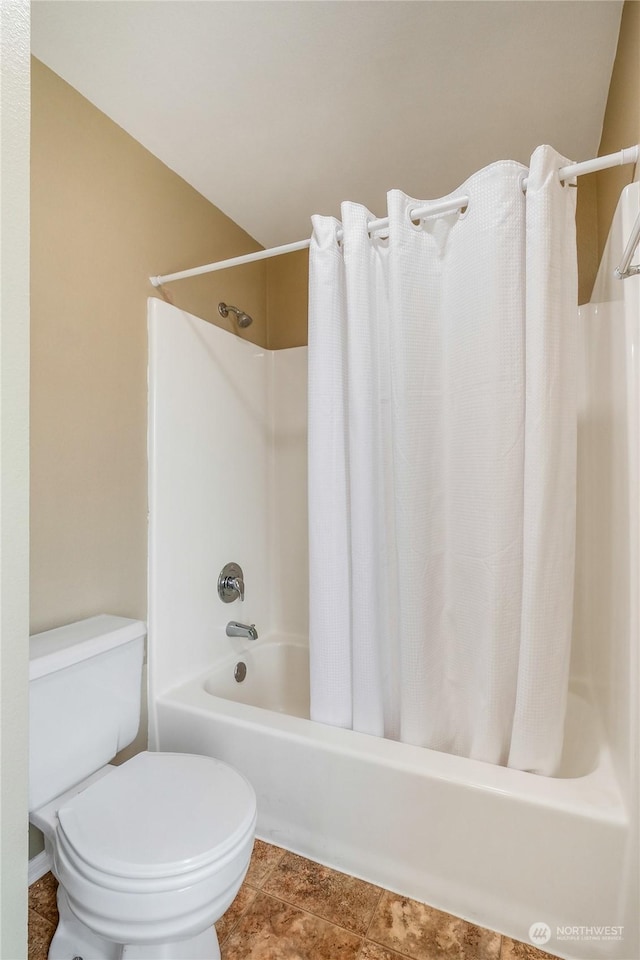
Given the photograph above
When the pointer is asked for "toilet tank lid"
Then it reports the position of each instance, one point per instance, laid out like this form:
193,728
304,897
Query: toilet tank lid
55,649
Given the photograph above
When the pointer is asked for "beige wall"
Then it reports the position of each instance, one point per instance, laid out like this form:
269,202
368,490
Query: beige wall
105,216
287,297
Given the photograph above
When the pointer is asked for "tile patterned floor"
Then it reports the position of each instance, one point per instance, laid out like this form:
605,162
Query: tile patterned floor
290,908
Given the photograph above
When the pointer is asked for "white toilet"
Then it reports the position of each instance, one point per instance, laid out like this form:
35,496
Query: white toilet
148,854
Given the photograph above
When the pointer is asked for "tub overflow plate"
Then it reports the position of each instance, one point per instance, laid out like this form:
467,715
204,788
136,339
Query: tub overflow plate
240,671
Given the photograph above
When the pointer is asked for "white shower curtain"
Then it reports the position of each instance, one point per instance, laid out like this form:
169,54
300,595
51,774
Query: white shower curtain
442,452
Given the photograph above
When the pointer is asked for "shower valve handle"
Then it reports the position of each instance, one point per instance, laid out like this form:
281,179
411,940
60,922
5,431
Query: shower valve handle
236,584
231,583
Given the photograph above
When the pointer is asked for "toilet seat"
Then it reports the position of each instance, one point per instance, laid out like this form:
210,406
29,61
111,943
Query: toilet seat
156,850
162,818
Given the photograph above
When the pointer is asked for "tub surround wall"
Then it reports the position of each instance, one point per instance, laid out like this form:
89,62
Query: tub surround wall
606,615
208,492
606,624
227,468
610,602
289,571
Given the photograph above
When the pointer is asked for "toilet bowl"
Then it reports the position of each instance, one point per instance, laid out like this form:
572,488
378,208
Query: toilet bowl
148,854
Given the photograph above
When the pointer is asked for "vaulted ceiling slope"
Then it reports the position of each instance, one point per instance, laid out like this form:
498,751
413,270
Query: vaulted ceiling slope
277,110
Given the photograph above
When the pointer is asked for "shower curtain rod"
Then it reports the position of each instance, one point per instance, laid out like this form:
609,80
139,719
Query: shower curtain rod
628,155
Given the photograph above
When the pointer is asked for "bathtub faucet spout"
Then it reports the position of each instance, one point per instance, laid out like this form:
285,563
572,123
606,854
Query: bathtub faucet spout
235,629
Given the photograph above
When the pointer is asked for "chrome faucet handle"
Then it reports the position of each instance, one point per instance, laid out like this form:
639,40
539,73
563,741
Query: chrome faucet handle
237,584
231,583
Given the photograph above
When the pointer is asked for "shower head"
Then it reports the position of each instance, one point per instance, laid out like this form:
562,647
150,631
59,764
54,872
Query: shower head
243,319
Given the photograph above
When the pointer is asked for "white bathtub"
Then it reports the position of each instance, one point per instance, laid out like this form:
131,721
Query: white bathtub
277,677
496,846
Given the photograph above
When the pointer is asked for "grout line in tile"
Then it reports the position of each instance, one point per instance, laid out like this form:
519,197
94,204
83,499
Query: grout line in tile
297,906
275,864
408,956
375,910
31,944
46,919
386,949
394,952
377,943
318,916
310,913
34,908
256,891
360,949
41,915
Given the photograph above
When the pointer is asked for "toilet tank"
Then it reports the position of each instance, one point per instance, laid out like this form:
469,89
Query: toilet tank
84,700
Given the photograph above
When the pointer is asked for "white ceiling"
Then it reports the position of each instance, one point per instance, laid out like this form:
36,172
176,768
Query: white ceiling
276,110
